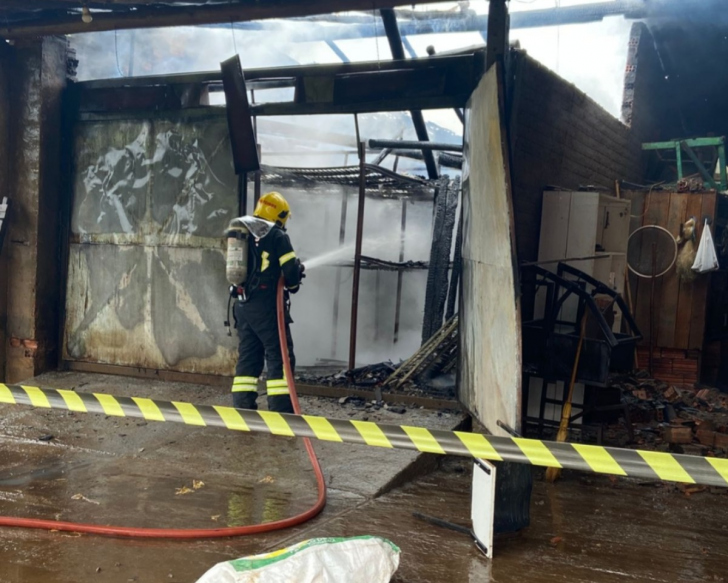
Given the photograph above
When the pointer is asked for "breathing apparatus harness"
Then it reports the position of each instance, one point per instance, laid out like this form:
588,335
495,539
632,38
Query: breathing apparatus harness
243,278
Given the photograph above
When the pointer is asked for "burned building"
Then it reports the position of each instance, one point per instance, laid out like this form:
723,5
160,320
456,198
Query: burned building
483,239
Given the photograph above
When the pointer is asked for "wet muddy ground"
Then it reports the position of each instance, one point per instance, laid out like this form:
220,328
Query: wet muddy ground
108,471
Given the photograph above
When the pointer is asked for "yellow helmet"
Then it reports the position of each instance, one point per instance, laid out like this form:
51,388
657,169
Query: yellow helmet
273,207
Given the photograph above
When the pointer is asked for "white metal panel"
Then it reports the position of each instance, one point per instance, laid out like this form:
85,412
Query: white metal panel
582,239
583,217
490,358
482,509
554,227
553,237
615,224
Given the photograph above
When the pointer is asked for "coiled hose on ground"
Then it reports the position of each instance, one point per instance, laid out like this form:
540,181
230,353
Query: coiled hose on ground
199,533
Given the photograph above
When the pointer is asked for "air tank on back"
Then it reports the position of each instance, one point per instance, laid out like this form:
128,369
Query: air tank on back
236,263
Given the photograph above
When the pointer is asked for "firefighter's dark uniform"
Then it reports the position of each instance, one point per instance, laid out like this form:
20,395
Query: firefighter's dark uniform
257,322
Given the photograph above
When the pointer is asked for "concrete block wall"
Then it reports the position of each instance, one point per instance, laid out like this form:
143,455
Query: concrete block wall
36,78
560,137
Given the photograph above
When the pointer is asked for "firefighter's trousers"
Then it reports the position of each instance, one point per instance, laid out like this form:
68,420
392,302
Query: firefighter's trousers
257,325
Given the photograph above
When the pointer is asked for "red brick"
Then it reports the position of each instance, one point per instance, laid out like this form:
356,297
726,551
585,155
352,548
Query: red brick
721,441
672,394
706,437
679,435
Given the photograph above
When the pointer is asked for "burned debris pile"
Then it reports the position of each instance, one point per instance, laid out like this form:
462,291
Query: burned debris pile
430,371
667,418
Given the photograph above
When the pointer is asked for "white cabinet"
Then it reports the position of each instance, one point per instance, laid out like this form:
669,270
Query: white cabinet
585,224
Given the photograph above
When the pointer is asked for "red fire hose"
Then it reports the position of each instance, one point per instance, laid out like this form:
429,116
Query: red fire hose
197,533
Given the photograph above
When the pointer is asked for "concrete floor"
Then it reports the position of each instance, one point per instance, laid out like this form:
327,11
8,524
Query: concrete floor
584,529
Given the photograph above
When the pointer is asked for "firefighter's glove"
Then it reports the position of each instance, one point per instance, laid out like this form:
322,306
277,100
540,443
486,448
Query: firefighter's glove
301,269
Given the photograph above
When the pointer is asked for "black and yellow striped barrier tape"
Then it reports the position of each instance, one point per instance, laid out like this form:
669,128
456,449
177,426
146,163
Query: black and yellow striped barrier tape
649,465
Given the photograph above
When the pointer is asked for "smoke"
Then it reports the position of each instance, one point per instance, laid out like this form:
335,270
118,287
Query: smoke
310,141
314,229
591,55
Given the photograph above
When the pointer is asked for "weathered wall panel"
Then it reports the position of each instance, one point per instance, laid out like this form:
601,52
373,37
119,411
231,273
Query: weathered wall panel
490,355
5,116
146,281
680,307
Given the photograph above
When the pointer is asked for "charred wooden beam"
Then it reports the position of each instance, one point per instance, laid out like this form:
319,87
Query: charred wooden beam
443,159
446,204
400,104
405,144
434,83
289,74
157,16
240,122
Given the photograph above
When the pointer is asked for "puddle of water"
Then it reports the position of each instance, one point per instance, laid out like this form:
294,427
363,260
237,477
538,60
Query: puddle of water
26,475
585,529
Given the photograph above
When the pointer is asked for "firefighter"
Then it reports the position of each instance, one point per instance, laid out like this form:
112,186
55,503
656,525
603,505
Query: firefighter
269,254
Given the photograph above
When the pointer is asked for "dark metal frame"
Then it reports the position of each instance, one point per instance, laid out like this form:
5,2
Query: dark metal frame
548,352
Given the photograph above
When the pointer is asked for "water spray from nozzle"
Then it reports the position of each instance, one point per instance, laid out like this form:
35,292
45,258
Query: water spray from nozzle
329,257
347,251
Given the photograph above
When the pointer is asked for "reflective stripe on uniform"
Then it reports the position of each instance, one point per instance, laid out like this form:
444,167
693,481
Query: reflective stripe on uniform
245,384
286,258
277,387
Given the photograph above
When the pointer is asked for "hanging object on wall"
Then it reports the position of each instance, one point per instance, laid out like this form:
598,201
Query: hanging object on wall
686,256
706,259
651,253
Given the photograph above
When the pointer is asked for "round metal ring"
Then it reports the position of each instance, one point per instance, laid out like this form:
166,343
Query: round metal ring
674,247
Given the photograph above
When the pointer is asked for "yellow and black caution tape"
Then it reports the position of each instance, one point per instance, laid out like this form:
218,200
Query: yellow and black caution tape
649,465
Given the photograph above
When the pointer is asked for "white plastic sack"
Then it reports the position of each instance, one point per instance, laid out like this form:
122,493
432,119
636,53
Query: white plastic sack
706,259
363,559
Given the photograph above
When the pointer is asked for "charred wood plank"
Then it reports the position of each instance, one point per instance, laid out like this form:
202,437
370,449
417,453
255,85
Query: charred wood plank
472,59
446,203
240,122
452,294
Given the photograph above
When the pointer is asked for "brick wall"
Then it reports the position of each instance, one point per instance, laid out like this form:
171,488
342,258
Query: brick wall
671,365
560,137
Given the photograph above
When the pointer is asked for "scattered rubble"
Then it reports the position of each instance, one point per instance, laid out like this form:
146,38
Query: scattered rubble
429,372
668,418
368,376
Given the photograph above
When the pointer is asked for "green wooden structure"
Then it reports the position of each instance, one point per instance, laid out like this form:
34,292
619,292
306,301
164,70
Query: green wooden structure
688,147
